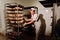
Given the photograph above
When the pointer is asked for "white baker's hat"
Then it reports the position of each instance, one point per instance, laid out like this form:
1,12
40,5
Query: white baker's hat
32,8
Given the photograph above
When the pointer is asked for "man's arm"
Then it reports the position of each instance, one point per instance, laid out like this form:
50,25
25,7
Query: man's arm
28,19
32,21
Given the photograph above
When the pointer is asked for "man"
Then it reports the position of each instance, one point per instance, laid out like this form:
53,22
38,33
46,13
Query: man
32,21
33,17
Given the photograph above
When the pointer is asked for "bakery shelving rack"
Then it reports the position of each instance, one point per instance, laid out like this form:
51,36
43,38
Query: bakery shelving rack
14,20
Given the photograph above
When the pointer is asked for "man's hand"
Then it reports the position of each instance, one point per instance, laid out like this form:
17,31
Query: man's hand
25,24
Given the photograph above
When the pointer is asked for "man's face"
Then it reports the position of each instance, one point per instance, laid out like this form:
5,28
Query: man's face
32,11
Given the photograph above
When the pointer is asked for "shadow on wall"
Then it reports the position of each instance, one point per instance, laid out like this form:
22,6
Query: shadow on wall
42,28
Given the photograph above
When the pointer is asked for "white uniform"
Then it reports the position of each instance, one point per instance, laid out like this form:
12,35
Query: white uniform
34,17
37,24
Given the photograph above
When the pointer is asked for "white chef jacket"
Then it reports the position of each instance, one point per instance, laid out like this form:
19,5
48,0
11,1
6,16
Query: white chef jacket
34,17
37,24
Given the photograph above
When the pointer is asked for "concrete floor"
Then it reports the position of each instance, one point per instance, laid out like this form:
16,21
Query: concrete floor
2,37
